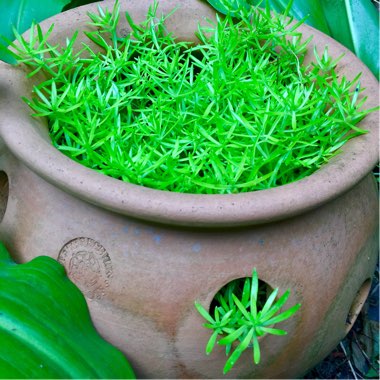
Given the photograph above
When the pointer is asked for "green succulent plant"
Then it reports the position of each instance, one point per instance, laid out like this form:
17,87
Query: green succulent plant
241,316
237,112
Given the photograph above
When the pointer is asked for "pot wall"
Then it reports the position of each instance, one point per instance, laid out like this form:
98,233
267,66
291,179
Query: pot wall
141,279
142,257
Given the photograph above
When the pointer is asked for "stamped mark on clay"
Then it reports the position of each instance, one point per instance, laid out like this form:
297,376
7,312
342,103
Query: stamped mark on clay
88,265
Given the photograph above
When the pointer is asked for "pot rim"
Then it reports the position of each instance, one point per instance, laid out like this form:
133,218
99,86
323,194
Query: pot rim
22,135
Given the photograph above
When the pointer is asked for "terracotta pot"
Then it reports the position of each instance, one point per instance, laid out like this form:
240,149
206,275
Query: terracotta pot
142,256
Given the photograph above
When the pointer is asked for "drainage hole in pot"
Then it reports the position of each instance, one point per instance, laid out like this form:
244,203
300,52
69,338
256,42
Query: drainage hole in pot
4,193
237,287
357,304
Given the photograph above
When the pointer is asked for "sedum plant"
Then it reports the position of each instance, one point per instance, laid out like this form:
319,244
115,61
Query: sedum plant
238,112
240,316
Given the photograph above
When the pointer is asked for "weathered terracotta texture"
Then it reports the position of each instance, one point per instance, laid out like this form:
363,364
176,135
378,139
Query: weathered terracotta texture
142,257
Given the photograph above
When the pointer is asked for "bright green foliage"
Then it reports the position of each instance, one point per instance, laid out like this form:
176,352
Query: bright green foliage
353,23
238,112
20,14
45,327
240,316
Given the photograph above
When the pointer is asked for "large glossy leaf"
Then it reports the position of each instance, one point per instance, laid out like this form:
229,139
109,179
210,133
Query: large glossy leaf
78,3
229,6
45,326
300,9
355,24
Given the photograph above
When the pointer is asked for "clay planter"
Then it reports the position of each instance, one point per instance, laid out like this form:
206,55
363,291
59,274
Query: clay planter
142,257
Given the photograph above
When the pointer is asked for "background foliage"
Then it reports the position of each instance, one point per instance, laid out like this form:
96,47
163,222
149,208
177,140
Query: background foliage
354,23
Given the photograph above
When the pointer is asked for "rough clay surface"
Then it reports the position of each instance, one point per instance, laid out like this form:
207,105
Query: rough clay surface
142,257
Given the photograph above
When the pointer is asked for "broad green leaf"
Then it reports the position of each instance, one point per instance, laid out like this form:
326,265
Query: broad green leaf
229,6
78,3
300,9
45,326
355,24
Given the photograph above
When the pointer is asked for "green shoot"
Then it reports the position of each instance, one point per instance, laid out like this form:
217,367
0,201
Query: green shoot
244,321
237,112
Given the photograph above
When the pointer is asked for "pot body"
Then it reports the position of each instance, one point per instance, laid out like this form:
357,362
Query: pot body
142,257
141,278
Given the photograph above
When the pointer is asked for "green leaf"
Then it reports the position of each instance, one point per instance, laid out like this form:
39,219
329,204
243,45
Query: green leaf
254,293
233,336
256,350
211,342
226,318
355,24
273,331
276,307
238,351
20,14
285,315
246,291
344,20
269,301
241,308
78,3
45,326
229,6
202,311
311,9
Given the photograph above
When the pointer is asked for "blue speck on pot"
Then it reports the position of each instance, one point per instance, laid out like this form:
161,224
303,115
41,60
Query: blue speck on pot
196,247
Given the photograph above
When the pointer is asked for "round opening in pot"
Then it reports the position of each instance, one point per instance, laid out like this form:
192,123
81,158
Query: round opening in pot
4,193
237,112
241,313
224,296
358,303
